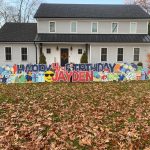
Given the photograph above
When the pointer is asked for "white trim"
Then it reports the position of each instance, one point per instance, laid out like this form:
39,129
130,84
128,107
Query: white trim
71,26
5,54
101,54
117,28
95,43
21,53
17,43
147,26
49,26
139,54
92,27
135,28
85,19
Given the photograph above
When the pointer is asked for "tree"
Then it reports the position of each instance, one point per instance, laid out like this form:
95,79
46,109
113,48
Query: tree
18,10
26,9
84,58
148,60
143,3
42,59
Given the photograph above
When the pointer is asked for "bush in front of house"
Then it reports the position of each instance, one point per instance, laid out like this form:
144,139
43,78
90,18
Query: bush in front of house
42,59
140,64
84,58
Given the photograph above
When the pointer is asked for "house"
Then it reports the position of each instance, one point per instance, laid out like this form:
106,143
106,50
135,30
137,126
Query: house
109,33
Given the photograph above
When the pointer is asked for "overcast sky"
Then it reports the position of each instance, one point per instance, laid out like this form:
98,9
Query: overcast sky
87,1
79,1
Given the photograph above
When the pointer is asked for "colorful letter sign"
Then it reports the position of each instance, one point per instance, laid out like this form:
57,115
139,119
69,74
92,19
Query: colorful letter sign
34,73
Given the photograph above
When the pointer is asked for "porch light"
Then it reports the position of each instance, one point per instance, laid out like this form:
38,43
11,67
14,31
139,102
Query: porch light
71,48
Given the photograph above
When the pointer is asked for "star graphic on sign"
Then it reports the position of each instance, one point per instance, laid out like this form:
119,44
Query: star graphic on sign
4,79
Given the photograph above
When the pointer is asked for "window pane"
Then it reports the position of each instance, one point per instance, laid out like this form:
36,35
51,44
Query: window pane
114,27
79,51
8,53
136,51
136,54
133,27
104,51
24,51
52,26
136,57
120,54
48,50
94,27
8,57
120,51
24,57
73,27
104,54
103,57
8,50
120,57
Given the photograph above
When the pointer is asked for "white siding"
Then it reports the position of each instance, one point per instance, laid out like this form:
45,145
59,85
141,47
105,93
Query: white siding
84,26
16,54
112,49
54,56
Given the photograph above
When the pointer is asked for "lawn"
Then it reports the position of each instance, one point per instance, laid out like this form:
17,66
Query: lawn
75,116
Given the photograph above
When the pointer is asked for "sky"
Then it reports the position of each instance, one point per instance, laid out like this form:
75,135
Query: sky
87,1
78,1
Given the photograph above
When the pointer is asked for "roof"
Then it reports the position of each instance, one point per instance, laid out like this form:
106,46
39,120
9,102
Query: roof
91,11
113,38
18,32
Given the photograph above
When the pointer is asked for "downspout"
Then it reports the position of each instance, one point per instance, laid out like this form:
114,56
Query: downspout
36,51
90,54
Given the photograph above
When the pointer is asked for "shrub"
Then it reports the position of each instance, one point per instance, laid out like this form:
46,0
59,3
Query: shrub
42,59
140,64
84,58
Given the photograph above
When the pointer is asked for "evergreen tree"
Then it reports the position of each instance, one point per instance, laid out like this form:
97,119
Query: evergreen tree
84,58
42,59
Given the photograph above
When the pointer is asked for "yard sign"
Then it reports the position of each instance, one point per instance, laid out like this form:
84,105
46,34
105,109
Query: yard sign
100,72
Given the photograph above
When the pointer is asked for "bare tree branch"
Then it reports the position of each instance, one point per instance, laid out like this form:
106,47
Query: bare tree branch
143,3
20,11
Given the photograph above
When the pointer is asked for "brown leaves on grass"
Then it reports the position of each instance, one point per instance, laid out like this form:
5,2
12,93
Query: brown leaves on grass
75,116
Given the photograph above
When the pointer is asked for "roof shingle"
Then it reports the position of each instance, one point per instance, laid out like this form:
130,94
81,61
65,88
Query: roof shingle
18,32
111,38
91,11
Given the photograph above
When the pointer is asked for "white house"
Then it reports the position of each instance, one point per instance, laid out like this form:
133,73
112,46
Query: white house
109,33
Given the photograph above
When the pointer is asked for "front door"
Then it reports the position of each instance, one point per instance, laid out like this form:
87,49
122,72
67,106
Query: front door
64,56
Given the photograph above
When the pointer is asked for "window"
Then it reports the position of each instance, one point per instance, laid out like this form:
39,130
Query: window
136,54
114,27
104,54
48,50
133,27
94,27
52,26
8,53
24,54
120,54
79,51
74,26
